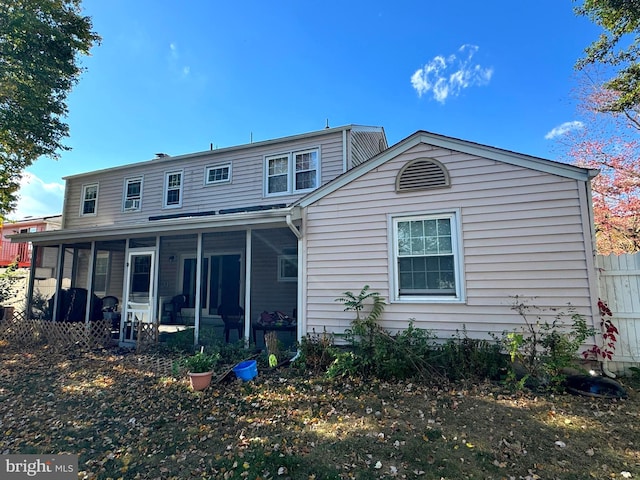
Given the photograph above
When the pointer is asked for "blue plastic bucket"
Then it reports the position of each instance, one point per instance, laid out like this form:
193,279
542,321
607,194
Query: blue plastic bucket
246,370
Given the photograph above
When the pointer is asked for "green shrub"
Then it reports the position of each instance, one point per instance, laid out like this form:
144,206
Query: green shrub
317,351
464,358
542,350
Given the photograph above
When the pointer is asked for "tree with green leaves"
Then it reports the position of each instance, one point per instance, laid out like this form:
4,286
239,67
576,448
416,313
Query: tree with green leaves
40,45
617,47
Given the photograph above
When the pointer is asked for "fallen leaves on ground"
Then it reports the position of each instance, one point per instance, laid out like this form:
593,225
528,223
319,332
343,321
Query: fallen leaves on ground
127,419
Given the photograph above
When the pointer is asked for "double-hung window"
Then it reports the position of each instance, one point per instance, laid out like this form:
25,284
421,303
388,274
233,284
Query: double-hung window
89,204
173,189
427,258
218,174
132,194
292,172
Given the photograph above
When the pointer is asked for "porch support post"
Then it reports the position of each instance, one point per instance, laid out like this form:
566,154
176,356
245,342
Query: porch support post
196,320
247,287
35,249
302,300
58,282
89,285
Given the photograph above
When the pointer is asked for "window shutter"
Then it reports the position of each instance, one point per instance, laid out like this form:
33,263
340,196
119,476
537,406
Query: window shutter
422,174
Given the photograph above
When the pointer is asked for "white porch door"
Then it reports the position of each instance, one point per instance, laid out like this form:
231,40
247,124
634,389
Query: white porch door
139,295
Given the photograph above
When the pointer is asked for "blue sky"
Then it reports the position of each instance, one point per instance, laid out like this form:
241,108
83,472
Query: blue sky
178,76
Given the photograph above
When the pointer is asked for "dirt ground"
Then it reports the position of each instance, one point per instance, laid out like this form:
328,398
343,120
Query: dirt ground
135,417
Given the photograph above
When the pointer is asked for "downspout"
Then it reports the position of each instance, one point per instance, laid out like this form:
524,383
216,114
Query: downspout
604,363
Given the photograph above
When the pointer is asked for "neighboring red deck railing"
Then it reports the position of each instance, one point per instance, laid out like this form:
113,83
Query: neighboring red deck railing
11,252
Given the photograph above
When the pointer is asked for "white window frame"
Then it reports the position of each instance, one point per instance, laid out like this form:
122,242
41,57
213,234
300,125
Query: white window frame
84,200
291,172
284,273
125,197
165,197
102,257
457,250
220,166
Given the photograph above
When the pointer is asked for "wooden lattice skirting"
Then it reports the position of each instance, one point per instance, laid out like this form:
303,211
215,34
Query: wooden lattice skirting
80,336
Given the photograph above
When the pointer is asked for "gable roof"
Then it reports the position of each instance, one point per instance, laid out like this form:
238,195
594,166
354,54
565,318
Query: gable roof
458,145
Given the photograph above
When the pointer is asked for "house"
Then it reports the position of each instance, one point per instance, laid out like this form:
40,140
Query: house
20,253
447,231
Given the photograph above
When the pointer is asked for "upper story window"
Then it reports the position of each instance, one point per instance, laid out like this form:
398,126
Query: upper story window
132,194
89,205
292,172
427,258
173,189
218,174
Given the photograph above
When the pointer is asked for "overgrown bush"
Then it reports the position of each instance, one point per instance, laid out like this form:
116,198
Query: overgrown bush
542,350
317,351
412,352
464,358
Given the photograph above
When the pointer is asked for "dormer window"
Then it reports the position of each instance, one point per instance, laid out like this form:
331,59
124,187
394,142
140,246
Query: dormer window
132,194
292,172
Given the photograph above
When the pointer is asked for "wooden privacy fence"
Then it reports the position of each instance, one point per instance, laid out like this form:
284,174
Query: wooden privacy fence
619,281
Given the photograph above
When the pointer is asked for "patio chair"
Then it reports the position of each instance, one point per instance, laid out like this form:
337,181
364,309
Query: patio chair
174,308
233,319
110,311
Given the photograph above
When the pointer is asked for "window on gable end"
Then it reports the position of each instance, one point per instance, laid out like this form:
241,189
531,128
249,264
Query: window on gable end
427,258
422,174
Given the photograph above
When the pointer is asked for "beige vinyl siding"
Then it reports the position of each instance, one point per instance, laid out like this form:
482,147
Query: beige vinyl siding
246,188
522,234
364,145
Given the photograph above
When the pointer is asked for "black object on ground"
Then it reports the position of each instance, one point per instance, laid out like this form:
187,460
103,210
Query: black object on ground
594,386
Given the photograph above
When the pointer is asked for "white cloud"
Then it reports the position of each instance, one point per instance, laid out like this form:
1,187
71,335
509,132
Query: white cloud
445,77
37,198
174,60
173,50
563,129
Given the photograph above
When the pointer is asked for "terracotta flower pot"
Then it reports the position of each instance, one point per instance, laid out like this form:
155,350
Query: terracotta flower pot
200,381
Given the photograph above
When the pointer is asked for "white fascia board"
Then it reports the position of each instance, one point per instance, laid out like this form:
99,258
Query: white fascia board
463,146
506,156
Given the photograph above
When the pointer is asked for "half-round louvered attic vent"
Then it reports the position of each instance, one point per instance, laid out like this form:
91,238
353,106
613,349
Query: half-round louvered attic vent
422,174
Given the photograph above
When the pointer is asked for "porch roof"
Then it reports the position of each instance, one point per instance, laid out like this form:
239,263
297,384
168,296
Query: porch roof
185,224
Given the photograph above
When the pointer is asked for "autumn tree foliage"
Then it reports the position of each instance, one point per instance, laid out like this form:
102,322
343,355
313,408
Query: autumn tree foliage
610,141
